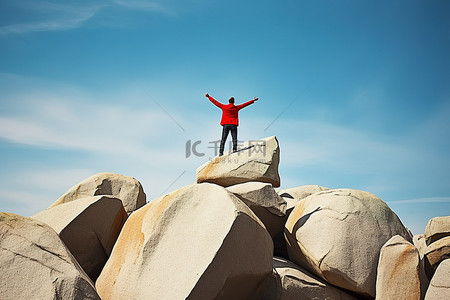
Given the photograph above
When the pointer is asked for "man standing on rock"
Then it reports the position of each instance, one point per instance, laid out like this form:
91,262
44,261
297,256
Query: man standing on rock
229,120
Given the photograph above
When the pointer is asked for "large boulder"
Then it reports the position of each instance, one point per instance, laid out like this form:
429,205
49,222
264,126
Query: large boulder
35,263
401,273
435,253
199,242
257,161
262,199
440,284
289,281
338,235
292,196
125,188
89,227
437,228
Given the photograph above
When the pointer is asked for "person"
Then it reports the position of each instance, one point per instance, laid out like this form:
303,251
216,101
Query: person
230,120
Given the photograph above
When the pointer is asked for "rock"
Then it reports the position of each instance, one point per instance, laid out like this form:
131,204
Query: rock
435,253
125,188
268,206
289,281
440,284
299,193
199,242
257,163
262,199
437,228
401,273
292,196
419,242
35,263
410,234
89,227
338,235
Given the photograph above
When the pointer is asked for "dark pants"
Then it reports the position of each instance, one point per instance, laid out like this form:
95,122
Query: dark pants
225,130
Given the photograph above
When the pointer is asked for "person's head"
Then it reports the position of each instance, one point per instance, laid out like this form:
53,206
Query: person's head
231,100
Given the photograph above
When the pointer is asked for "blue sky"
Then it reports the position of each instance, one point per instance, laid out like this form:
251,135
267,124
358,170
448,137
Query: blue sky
357,92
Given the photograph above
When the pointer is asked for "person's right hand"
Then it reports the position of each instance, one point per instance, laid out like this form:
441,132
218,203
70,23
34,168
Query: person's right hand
255,99
206,95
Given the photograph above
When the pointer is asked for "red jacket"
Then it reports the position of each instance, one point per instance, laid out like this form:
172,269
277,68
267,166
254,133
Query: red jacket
229,111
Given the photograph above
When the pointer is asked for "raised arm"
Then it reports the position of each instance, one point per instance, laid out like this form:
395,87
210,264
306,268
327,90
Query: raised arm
247,103
214,101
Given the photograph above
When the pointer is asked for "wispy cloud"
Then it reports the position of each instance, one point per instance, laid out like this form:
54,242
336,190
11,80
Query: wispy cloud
69,124
48,114
56,17
319,143
421,200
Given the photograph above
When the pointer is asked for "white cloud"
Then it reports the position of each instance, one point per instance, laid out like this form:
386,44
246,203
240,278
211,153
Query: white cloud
318,143
82,125
24,203
421,200
56,17
49,180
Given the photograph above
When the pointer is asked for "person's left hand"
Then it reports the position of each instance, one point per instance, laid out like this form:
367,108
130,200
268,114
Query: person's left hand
255,99
206,95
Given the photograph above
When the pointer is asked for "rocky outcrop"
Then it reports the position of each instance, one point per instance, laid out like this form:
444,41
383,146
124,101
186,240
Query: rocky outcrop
125,188
262,199
35,264
89,227
440,284
200,242
401,273
292,196
268,206
435,253
437,228
338,235
257,161
437,236
289,281
215,239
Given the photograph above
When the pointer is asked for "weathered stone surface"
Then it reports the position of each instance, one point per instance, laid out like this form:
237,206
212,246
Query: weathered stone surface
435,253
338,235
437,228
401,273
419,242
292,196
289,281
199,242
440,284
89,227
35,264
125,188
411,235
258,163
262,199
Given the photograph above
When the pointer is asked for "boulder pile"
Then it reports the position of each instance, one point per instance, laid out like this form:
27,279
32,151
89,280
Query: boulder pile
230,235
